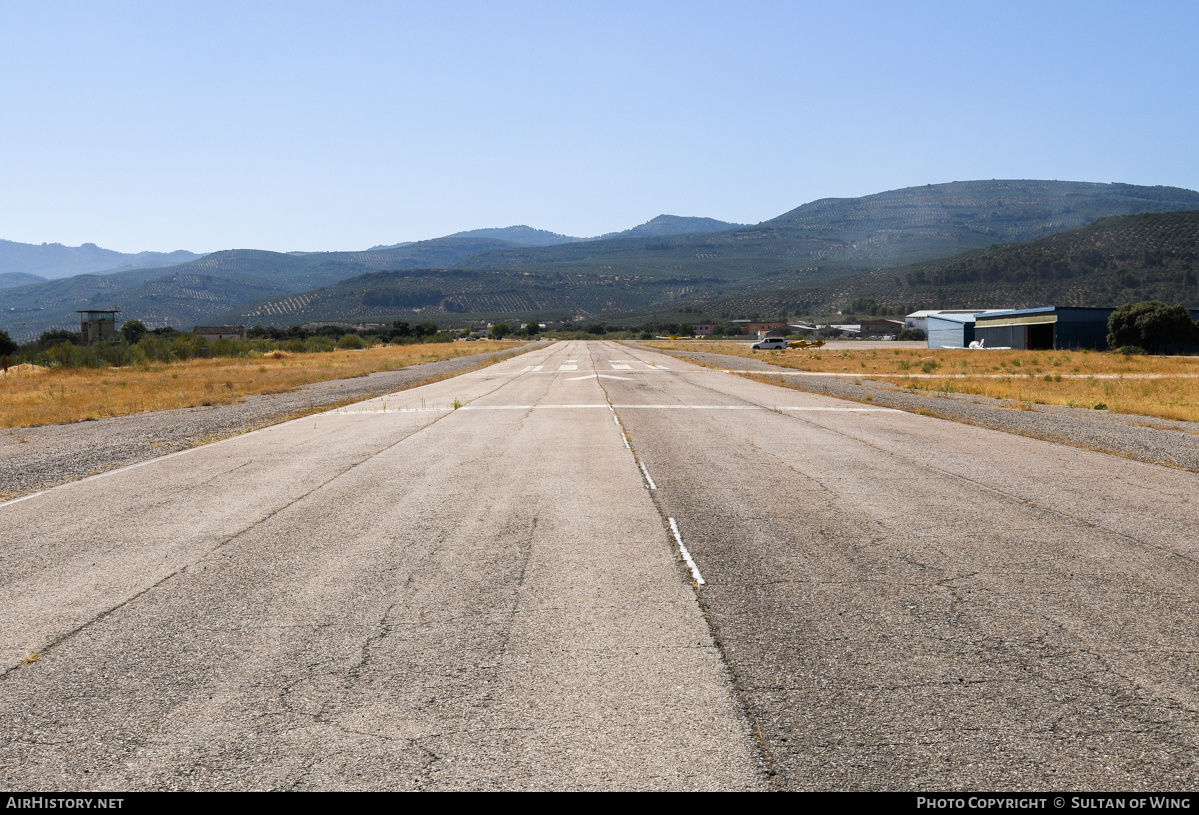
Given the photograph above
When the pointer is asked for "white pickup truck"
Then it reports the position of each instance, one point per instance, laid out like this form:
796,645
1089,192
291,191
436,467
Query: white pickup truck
770,344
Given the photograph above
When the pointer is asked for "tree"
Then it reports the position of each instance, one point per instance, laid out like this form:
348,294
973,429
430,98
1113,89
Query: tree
500,330
532,327
686,330
400,329
8,346
133,330
1151,325
49,339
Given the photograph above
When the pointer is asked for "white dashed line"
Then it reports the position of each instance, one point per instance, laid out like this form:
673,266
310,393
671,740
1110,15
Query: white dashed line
648,480
674,528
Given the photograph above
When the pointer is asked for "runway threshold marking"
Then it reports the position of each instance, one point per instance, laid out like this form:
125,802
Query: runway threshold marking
674,528
597,376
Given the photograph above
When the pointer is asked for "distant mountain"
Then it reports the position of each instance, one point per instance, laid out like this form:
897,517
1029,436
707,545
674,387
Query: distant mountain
173,296
673,225
529,236
797,258
1153,256
53,260
524,235
458,295
838,236
10,279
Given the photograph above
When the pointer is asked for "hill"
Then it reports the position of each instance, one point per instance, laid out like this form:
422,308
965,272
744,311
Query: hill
838,236
53,260
524,235
819,253
10,280
672,225
463,294
1153,256
171,296
529,236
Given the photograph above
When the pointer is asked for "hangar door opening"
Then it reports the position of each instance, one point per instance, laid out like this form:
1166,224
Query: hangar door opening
1040,337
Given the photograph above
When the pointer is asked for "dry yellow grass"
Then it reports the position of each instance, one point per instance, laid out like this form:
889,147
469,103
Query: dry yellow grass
37,396
1165,387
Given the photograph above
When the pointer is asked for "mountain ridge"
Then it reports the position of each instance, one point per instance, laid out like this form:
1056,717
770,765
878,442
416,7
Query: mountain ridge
806,247
55,260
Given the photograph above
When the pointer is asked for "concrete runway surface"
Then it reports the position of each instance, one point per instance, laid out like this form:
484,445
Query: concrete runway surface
404,595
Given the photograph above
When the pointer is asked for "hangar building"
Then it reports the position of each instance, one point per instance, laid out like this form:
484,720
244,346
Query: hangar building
1045,328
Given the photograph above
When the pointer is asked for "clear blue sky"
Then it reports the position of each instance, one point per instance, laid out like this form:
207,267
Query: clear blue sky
311,126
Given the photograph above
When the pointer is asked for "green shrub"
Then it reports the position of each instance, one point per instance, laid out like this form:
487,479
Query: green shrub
350,342
1151,325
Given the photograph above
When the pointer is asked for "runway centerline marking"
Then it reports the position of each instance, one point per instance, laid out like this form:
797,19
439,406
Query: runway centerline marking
648,480
674,528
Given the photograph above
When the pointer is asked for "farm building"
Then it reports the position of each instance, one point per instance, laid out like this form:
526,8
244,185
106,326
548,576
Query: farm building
880,328
212,333
1045,328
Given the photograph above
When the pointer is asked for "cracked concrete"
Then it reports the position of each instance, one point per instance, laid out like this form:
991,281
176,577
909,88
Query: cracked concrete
910,603
417,600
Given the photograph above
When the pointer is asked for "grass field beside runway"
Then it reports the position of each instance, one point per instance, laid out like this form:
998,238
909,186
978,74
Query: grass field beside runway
32,396
1164,387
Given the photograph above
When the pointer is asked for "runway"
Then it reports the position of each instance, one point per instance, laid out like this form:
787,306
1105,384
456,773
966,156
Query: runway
598,567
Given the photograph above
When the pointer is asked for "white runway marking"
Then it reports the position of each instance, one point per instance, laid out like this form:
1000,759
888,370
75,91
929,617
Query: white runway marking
674,528
585,406
570,366
873,375
537,368
597,376
648,480
616,367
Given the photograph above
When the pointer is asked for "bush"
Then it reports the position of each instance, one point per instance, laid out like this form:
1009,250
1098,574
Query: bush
7,345
133,330
233,348
351,342
1151,325
318,344
914,334
500,330
1131,350
49,339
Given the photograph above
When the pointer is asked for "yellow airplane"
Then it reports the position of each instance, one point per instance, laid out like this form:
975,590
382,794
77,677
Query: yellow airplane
801,344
